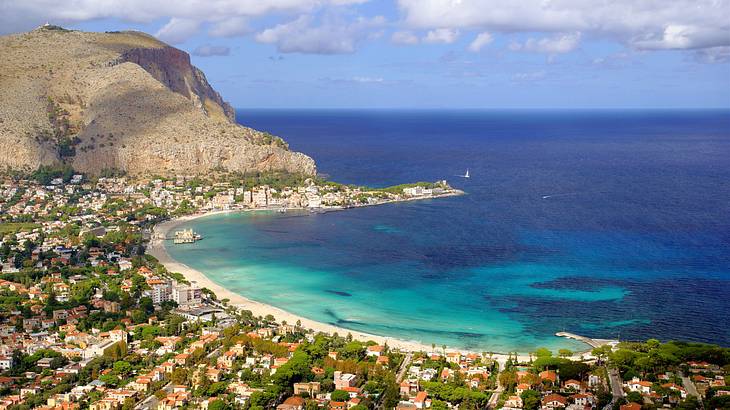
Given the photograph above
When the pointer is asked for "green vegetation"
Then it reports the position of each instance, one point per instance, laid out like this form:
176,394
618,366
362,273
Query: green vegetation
13,227
46,173
398,189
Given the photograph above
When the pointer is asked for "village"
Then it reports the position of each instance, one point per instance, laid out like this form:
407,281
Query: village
88,320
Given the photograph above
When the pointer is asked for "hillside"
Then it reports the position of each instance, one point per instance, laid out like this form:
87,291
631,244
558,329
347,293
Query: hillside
125,101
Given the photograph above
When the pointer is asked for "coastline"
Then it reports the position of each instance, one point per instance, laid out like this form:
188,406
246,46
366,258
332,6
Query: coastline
156,248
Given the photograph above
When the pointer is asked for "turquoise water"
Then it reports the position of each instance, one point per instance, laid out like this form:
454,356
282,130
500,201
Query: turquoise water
401,307
607,224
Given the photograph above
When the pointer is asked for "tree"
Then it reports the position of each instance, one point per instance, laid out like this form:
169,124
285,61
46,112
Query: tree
564,353
530,399
635,397
543,352
122,368
179,375
217,405
508,379
601,352
340,395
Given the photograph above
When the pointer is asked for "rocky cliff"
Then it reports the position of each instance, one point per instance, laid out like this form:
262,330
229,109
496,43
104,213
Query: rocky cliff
124,101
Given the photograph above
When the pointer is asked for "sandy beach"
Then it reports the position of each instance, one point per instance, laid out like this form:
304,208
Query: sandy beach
157,249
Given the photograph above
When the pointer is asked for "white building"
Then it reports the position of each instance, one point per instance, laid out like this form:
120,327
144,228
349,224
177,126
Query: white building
187,295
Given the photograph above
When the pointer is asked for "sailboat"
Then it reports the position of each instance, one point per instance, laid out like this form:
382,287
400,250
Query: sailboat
467,174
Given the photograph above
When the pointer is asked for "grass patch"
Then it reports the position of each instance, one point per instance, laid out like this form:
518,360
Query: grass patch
13,227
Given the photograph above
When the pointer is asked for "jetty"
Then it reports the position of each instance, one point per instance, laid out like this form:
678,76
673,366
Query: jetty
186,236
587,340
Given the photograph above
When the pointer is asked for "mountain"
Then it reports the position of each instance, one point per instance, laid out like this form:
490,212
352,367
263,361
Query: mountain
122,101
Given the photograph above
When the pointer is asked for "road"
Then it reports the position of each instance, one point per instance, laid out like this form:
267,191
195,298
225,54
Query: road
403,367
150,403
495,397
617,387
398,377
689,386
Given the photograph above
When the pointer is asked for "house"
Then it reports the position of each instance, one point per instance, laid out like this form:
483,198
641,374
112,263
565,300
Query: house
375,350
594,380
521,388
343,380
311,388
549,375
554,401
583,400
105,404
292,403
338,405
422,401
631,406
574,385
182,359
674,387
641,386
514,402
6,362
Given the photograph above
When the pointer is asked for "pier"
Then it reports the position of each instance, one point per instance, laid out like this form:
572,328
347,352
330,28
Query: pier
186,236
587,340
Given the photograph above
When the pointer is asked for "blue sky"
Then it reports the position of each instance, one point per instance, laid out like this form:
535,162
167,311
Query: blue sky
430,53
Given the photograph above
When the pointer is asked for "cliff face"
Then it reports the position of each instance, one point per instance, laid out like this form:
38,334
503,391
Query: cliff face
124,101
172,68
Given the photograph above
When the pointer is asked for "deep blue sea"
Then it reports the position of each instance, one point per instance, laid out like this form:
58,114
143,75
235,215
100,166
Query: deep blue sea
603,223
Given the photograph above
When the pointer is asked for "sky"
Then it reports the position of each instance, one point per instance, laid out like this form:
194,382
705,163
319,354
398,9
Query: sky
429,53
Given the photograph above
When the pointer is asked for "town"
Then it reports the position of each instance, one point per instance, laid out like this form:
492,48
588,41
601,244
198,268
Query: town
88,320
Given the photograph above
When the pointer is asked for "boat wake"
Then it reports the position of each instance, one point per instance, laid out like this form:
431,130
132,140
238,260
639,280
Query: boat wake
557,195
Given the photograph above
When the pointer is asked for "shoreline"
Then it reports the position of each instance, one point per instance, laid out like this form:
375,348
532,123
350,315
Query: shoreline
156,248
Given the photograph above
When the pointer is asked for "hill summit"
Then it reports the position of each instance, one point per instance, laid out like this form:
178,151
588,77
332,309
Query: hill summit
124,101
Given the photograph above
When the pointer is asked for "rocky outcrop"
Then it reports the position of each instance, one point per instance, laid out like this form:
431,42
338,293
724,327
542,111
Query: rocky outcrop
124,101
172,67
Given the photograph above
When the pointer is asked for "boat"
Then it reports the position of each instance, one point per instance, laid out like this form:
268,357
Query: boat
282,210
466,175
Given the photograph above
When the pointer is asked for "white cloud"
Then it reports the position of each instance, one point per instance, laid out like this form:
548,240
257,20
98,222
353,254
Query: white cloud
368,79
647,24
208,50
329,37
559,44
713,55
404,37
177,30
480,41
230,27
441,35
529,76
27,14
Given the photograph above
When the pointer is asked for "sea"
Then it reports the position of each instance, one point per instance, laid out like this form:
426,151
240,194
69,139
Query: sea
605,223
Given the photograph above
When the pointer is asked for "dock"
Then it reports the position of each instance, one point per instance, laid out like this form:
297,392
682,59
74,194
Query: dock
587,340
186,236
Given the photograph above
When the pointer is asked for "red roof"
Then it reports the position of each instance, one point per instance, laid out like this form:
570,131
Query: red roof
554,397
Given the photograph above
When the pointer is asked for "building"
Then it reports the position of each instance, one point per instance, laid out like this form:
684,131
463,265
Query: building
187,294
6,362
311,388
553,401
343,380
292,403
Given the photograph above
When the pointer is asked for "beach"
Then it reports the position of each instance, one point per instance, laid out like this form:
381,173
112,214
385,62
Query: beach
157,249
